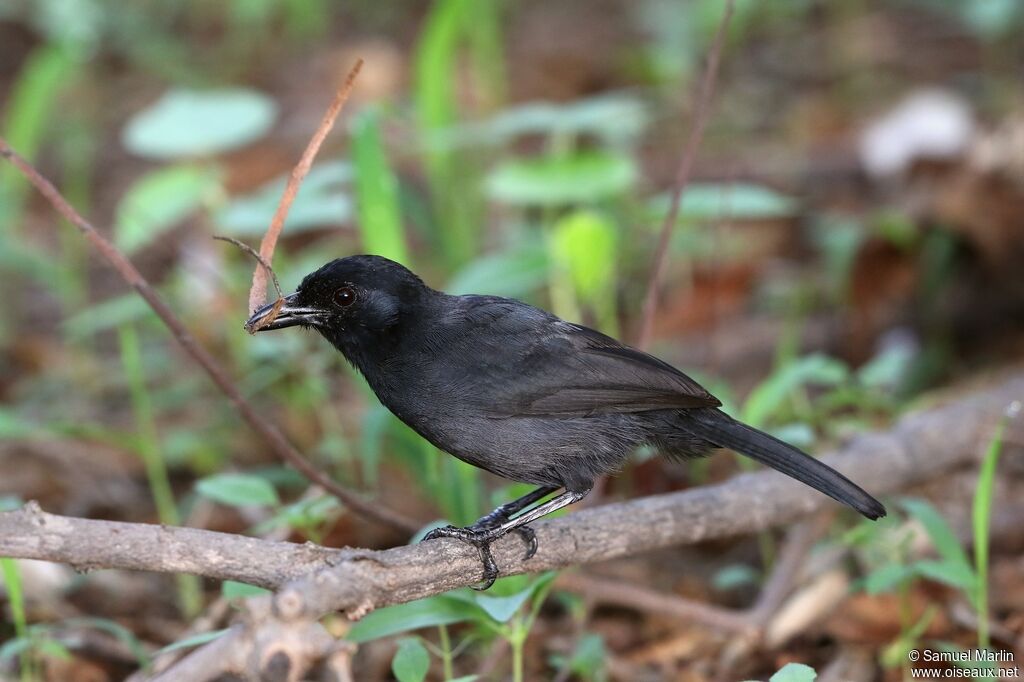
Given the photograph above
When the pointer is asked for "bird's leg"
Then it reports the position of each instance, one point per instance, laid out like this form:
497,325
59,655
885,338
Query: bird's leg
481,536
506,511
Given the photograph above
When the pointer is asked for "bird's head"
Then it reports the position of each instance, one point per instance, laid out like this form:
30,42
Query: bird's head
348,300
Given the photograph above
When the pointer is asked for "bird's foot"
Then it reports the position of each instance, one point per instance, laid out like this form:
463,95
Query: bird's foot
481,536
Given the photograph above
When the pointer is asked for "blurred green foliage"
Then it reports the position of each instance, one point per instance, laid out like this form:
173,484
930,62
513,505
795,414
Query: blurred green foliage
545,201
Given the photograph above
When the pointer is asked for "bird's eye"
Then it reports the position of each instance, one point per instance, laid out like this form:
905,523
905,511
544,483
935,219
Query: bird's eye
345,296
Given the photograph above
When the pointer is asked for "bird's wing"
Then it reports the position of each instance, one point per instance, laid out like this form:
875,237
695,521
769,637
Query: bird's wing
564,369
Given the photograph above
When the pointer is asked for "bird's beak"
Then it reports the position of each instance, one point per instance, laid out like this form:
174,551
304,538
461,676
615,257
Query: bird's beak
282,313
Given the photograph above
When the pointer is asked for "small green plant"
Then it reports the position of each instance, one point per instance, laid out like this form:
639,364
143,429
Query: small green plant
508,610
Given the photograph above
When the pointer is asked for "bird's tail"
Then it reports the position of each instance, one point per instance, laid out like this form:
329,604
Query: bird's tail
724,431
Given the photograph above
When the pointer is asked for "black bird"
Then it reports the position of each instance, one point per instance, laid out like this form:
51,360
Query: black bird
519,392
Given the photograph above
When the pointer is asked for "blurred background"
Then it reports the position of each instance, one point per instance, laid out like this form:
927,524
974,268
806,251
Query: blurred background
852,238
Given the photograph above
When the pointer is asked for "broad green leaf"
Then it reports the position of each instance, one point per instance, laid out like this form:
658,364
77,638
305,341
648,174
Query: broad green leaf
231,589
502,609
391,620
561,180
887,578
888,368
585,244
611,117
711,201
238,490
193,123
160,200
949,572
321,201
941,535
794,672
111,313
513,273
767,398
411,661
380,220
507,595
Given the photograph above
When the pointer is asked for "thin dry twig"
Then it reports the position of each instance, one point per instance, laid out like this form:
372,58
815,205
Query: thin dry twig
259,259
270,433
258,291
707,89
279,303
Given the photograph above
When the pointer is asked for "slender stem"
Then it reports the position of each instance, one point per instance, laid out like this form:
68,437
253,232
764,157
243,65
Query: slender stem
446,652
189,588
707,89
16,598
981,517
268,431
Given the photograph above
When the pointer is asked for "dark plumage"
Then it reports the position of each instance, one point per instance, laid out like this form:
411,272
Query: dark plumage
521,393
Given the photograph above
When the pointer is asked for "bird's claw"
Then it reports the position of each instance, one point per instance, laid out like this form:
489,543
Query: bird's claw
481,538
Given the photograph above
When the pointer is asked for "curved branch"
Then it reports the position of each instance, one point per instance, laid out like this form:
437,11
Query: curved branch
920,447
281,446
316,580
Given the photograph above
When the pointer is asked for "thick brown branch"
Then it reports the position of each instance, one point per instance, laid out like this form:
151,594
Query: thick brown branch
87,544
920,447
270,433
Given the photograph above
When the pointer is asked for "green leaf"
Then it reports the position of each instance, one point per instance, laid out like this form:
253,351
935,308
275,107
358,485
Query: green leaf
887,578
502,609
10,502
411,661
614,118
888,368
513,273
238,490
951,573
438,610
744,201
111,313
941,535
380,220
585,244
589,657
321,201
735,575
160,200
765,400
191,123
230,589
188,642
561,180
794,672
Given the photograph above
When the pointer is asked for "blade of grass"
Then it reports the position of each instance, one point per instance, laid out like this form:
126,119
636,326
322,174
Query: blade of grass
32,99
190,595
16,600
380,219
981,517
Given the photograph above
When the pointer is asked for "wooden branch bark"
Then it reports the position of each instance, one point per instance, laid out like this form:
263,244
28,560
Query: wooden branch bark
317,580
920,447
87,544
